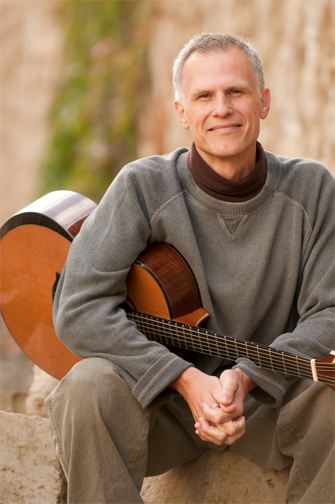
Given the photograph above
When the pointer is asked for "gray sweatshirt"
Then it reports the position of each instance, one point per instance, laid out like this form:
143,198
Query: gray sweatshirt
265,268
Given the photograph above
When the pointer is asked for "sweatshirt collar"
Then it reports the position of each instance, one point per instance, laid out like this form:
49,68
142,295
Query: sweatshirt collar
224,189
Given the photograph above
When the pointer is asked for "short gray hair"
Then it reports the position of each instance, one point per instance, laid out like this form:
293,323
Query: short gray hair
215,42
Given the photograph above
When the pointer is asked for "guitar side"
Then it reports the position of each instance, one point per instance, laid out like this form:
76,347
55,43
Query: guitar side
160,283
34,246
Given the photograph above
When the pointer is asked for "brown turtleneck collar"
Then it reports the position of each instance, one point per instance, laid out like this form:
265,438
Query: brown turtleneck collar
224,189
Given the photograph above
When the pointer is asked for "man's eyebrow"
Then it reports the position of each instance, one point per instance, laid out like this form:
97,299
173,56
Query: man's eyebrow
243,86
202,90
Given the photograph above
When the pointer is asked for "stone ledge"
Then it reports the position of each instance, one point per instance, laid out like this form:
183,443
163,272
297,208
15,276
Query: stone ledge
217,478
30,472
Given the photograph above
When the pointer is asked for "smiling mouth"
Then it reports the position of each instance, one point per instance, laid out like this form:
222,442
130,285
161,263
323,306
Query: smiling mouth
225,127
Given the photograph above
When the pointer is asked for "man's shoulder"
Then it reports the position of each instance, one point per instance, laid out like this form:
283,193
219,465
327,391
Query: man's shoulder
295,174
151,180
155,165
304,181
298,167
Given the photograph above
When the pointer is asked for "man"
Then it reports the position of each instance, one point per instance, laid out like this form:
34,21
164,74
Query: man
256,230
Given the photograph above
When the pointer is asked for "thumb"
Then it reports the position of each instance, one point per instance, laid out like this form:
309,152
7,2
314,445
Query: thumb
229,386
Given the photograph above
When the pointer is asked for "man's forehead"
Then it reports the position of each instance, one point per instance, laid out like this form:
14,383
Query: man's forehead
231,63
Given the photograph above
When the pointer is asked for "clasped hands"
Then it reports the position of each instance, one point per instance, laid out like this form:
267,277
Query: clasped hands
216,403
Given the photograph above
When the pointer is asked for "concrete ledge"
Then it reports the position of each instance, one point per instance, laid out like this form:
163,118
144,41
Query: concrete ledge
217,478
30,472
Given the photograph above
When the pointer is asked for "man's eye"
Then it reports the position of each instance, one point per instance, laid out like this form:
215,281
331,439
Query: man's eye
235,91
205,95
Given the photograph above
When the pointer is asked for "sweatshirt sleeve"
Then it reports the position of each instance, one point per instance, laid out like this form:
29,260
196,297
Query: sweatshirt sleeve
87,313
313,334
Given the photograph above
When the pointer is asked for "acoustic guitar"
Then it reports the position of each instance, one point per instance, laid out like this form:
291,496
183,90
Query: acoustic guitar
163,297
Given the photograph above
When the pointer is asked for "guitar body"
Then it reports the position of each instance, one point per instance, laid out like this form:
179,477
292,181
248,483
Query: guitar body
34,246
160,283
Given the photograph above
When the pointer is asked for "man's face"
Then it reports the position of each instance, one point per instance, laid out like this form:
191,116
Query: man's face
222,106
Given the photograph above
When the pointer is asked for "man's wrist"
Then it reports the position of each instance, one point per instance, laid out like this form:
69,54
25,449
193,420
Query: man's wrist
181,383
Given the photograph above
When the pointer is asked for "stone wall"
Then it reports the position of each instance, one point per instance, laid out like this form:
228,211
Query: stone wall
31,62
295,39
296,42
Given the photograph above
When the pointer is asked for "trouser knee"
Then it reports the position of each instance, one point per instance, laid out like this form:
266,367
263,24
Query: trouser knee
92,388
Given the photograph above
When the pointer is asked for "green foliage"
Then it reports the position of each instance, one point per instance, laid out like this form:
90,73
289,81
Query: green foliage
95,115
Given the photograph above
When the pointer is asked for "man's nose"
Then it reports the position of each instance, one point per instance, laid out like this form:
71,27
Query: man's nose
222,106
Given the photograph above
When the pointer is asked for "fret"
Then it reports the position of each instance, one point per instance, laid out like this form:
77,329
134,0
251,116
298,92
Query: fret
189,342
182,342
236,348
207,342
217,346
259,359
297,364
283,359
182,334
270,358
246,348
169,328
169,337
197,345
225,340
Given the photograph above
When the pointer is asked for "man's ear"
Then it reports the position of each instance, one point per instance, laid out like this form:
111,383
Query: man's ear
266,98
181,114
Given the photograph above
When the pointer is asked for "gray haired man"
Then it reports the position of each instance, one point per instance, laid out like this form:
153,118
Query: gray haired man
257,231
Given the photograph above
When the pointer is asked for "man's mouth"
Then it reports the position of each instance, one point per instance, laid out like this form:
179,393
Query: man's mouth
225,127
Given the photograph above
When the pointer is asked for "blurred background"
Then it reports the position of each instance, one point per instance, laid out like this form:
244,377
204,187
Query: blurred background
86,87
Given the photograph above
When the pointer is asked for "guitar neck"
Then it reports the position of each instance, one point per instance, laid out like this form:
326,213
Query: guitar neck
196,339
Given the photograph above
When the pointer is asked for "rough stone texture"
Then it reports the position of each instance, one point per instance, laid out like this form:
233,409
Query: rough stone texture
31,62
31,40
41,387
14,400
296,42
29,469
217,478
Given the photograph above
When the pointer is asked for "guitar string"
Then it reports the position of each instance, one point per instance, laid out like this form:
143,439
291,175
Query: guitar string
233,344
153,323
153,328
298,370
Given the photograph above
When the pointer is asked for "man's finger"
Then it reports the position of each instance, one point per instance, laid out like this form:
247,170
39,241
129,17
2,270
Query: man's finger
216,415
227,433
210,433
234,427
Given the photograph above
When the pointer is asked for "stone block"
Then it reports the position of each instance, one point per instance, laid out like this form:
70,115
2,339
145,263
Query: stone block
217,478
30,472
14,400
40,388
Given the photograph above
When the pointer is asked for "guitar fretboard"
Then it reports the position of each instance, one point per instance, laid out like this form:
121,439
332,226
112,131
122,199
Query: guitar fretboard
196,339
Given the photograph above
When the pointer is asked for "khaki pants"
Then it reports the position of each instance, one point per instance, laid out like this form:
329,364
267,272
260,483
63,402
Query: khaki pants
107,443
